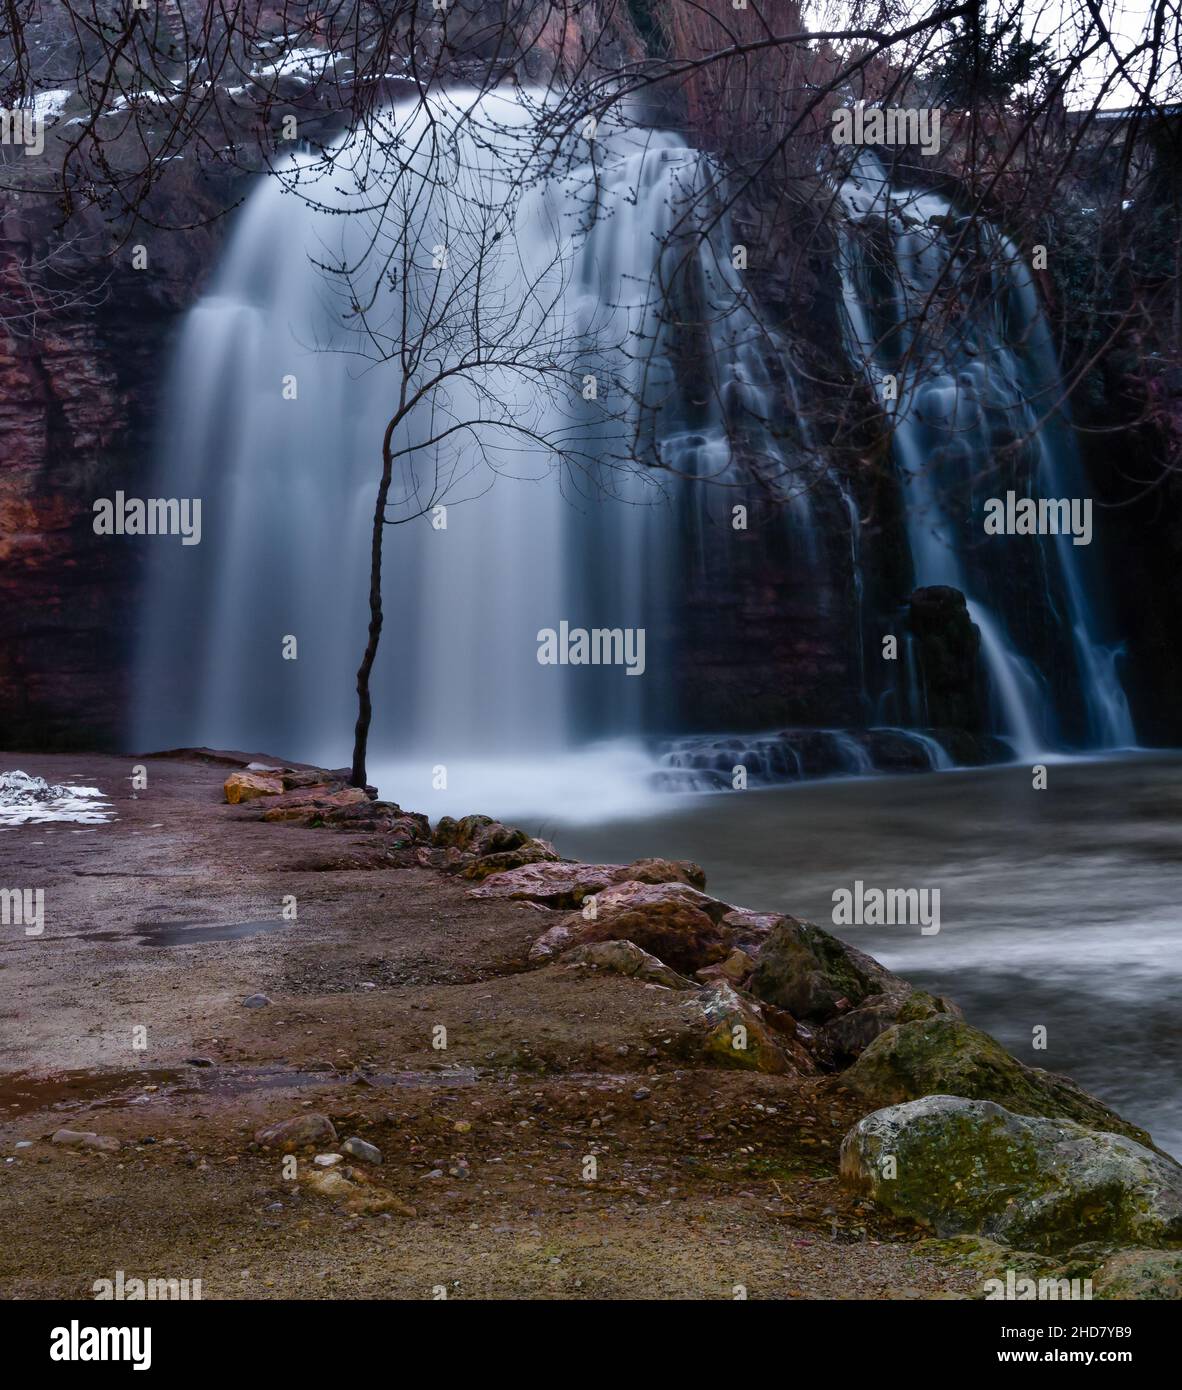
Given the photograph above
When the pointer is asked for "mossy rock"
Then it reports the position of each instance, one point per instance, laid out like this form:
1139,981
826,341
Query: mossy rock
987,1259
970,1167
1149,1274
532,852
920,1005
813,975
479,835
736,1034
943,1055
456,834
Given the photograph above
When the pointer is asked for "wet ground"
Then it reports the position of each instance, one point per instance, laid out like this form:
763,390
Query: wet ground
126,1017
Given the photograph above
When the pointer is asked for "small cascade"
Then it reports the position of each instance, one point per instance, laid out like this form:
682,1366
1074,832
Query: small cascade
728,762
948,313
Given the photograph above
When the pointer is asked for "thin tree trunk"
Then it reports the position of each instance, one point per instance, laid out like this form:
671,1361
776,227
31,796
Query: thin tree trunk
364,705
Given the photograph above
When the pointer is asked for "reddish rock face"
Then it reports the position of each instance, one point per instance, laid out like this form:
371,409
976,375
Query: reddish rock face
80,377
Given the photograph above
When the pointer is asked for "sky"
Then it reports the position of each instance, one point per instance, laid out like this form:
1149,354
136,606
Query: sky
1063,23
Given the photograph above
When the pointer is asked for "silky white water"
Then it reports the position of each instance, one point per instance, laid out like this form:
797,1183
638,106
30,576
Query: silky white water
948,313
570,258
601,368
1058,908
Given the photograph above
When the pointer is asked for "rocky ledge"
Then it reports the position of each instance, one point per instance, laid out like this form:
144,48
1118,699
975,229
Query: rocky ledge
1009,1167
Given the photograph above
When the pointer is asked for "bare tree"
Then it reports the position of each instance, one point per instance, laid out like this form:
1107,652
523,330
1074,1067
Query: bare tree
1032,145
482,361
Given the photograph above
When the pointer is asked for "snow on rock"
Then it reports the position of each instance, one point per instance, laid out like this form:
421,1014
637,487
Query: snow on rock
26,800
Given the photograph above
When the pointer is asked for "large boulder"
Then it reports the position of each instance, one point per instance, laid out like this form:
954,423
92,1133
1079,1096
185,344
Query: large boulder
477,835
566,885
531,852
945,1056
246,786
816,976
677,923
682,936
315,805
735,1032
561,885
635,895
756,926
849,1034
972,1167
665,871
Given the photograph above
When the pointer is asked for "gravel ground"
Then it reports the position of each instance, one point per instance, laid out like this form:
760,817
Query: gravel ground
158,925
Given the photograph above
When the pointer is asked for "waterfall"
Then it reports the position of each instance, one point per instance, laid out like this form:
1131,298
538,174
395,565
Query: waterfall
605,269
949,310
277,404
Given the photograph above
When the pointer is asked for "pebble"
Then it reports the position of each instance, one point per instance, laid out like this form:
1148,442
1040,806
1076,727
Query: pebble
85,1139
358,1148
641,1093
199,1061
256,1001
327,1160
298,1131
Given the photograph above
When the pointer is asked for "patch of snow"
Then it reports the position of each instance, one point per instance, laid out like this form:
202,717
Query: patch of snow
308,63
26,800
48,106
144,97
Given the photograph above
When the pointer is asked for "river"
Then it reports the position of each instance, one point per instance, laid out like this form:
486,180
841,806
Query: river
1059,907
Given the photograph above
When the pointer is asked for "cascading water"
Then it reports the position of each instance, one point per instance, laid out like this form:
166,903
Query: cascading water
591,268
288,371
954,321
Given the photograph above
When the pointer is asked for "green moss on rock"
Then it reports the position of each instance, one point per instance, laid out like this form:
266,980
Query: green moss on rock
943,1055
813,975
1151,1274
965,1166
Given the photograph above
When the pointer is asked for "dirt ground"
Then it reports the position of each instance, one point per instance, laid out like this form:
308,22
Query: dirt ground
708,1183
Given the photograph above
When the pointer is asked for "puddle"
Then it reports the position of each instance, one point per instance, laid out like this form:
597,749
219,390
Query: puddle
26,800
195,933
181,933
236,1081
22,1093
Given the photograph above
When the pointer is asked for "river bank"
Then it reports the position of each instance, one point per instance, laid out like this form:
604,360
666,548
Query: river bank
170,917
1059,907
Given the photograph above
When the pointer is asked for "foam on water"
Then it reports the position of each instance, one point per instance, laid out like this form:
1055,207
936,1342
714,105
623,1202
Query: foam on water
596,783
